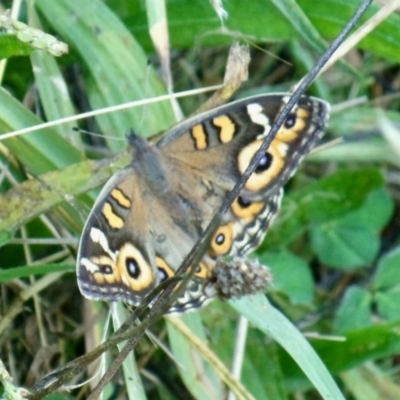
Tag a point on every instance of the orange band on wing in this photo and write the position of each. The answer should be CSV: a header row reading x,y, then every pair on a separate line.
x,y
227,128
200,137
113,219
248,212
119,196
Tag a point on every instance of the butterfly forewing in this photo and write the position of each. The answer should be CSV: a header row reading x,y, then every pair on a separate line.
x,y
221,145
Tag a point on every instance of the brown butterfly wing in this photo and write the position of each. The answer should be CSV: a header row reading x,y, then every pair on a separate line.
x,y
150,215
218,148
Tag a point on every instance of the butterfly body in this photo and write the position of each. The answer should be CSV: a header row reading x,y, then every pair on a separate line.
x,y
150,214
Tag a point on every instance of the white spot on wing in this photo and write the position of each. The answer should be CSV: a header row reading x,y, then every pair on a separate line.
x,y
283,148
99,237
256,113
90,266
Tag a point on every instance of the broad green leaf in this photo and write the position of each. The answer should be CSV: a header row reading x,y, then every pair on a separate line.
x,y
326,200
345,246
387,274
337,194
375,213
291,275
388,305
354,311
352,241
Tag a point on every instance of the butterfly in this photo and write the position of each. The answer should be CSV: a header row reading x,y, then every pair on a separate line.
x,y
150,214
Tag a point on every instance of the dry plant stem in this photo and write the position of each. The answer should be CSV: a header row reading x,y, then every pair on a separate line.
x,y
158,343
361,32
63,375
36,301
18,304
235,74
230,380
328,145
47,241
160,37
198,250
128,329
108,110
130,344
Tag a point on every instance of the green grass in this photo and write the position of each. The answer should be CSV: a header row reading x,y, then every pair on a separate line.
x,y
331,321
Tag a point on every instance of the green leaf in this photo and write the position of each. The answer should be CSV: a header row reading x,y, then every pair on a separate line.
x,y
39,151
265,317
262,372
195,21
32,197
352,241
11,46
135,386
298,19
388,305
53,90
323,201
349,351
386,286
354,311
345,246
387,274
118,67
23,272
370,382
375,213
291,275
384,39
337,194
